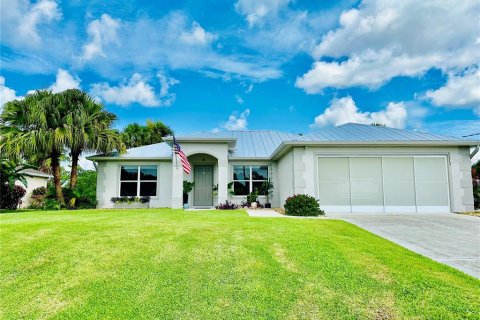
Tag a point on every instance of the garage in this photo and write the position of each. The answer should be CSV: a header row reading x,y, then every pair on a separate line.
x,y
383,184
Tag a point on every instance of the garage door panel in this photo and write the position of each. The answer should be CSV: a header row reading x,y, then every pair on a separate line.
x,y
432,193
399,193
398,169
367,193
366,169
430,169
334,193
333,169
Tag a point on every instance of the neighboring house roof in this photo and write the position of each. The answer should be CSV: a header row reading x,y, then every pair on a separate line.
x,y
36,173
263,144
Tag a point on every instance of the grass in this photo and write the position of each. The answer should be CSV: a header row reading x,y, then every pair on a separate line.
x,y
171,264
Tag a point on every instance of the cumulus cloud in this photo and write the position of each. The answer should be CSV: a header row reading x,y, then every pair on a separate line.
x,y
64,81
21,20
344,110
237,121
197,35
383,39
6,94
256,10
462,91
136,90
101,32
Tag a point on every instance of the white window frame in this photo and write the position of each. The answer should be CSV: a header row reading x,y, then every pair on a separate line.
x,y
250,180
138,181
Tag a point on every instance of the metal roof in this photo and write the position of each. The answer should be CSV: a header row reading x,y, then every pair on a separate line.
x,y
265,144
363,132
249,143
36,173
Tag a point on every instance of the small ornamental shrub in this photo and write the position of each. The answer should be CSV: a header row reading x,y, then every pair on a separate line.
x,y
227,206
40,191
51,204
10,196
302,205
143,199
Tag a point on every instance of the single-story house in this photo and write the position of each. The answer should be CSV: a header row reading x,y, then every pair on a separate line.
x,y
349,168
35,179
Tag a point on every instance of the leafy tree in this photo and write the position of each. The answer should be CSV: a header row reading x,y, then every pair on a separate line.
x,y
89,128
136,135
35,125
10,172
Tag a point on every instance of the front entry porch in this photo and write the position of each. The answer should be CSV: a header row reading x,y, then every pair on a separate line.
x,y
209,174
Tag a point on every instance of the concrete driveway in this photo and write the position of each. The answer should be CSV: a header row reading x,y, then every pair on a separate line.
x,y
448,238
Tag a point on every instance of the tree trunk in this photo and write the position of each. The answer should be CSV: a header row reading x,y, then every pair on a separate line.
x,y
74,172
57,179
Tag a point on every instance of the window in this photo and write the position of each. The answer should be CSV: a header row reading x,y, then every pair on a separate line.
x,y
137,181
249,178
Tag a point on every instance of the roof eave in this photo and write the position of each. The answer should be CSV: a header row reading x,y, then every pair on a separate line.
x,y
447,143
93,158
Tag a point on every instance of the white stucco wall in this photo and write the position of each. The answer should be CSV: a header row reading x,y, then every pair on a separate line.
x,y
285,185
460,182
32,183
108,182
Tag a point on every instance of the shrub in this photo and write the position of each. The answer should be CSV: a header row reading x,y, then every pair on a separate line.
x,y
51,204
252,196
10,196
476,194
227,206
40,191
143,199
302,205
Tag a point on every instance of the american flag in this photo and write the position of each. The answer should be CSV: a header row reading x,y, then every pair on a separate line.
x,y
187,168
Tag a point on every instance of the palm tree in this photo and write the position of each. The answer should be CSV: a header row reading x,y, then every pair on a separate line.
x,y
136,135
35,125
89,128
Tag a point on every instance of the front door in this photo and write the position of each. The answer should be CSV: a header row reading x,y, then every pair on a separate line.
x,y
203,189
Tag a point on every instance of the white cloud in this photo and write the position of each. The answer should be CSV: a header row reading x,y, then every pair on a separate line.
x,y
236,121
344,110
21,20
137,90
382,39
239,99
101,32
177,43
461,91
6,94
197,35
166,82
256,10
65,81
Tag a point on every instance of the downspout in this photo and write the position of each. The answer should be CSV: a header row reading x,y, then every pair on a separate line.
x,y
474,152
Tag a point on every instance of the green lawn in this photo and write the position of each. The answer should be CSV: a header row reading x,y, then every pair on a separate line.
x,y
172,264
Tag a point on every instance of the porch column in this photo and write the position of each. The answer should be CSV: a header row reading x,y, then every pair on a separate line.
x,y
222,180
177,187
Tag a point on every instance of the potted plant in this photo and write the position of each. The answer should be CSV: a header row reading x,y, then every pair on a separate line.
x,y
252,199
267,188
187,188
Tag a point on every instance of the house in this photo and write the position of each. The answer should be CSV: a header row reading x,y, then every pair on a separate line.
x,y
349,168
35,179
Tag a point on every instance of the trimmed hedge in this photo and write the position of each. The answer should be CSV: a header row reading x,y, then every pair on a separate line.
x,y
302,205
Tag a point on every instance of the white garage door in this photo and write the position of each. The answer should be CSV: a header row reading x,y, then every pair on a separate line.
x,y
383,184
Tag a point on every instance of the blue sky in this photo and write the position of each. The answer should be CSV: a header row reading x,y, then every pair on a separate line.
x,y
295,66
